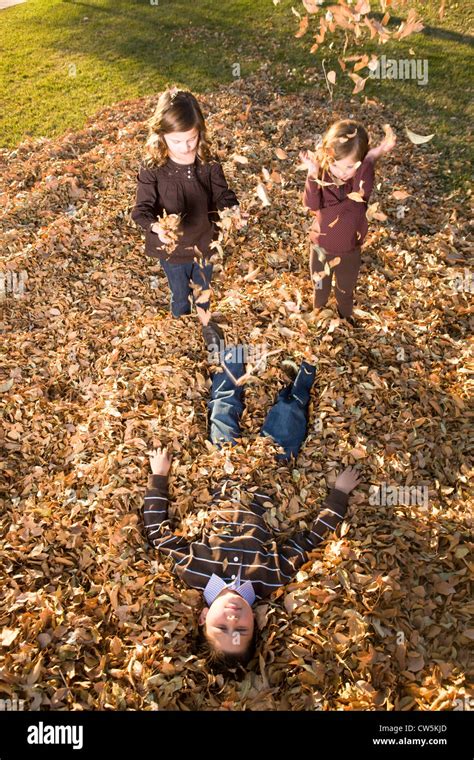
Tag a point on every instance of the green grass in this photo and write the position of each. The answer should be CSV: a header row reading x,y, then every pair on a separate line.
x,y
57,68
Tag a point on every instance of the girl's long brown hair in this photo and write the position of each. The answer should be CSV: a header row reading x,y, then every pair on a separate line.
x,y
177,111
342,139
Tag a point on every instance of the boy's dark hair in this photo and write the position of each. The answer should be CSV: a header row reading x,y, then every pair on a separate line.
x,y
223,661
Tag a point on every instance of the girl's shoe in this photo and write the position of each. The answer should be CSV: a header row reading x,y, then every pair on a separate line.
x,y
350,320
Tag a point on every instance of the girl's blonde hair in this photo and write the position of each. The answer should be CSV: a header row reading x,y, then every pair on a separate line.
x,y
177,111
342,139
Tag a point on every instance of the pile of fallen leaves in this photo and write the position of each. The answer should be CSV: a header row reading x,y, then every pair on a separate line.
x,y
95,372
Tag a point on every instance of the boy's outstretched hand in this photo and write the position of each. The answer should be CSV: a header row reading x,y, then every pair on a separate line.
x,y
160,461
347,480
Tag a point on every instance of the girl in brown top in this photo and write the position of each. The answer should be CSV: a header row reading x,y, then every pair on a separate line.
x,y
179,175
338,186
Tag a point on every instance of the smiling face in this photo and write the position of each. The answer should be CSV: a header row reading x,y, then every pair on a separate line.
x,y
182,146
229,622
345,168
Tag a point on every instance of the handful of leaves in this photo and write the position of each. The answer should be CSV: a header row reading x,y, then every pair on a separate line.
x,y
169,224
230,220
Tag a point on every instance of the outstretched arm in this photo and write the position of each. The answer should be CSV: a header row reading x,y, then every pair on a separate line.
x,y
155,511
387,144
333,511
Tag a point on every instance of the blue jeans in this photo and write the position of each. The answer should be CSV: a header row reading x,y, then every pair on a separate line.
x,y
286,422
179,278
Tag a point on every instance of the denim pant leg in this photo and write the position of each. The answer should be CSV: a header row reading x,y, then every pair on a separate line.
x,y
287,420
178,278
201,276
226,405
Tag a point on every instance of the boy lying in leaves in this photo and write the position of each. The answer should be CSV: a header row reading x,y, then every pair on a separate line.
x,y
237,560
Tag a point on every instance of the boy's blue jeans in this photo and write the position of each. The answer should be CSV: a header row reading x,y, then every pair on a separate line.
x,y
287,420
179,278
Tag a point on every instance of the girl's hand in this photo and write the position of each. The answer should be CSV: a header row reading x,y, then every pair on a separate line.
x,y
389,141
158,230
312,166
387,144
160,461
347,480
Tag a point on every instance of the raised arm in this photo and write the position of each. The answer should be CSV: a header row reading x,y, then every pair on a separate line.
x,y
332,513
387,144
155,511
312,197
364,179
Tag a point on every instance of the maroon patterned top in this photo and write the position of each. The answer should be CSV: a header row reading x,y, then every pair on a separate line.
x,y
340,223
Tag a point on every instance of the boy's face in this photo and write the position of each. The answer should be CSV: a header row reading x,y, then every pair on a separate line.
x,y
345,168
182,145
229,622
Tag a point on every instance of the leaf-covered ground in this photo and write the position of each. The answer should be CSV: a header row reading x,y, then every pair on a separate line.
x,y
96,372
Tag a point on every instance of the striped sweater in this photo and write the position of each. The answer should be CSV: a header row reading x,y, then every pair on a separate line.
x,y
236,536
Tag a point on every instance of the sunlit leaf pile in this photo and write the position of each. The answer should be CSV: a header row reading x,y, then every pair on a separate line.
x,y
95,372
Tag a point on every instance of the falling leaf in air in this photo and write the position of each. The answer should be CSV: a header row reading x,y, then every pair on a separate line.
x,y
374,213
418,139
262,194
400,195
359,83
303,27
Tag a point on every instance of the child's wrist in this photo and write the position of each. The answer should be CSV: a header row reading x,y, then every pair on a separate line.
x,y
157,481
160,471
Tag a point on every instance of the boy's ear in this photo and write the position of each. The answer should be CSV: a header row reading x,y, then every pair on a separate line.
x,y
203,615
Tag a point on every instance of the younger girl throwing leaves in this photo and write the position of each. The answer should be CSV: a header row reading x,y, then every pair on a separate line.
x,y
183,184
338,186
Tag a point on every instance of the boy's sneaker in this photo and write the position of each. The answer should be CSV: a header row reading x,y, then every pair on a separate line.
x,y
213,337
290,368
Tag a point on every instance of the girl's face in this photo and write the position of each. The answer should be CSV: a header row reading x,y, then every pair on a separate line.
x,y
182,146
345,168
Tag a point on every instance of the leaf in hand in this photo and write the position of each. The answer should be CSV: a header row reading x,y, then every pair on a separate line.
x,y
170,225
